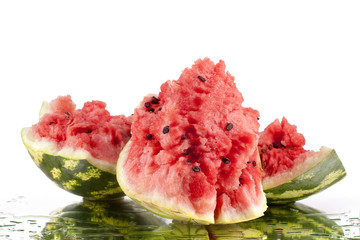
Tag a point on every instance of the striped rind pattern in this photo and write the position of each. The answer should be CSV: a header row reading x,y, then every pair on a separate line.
x,y
327,172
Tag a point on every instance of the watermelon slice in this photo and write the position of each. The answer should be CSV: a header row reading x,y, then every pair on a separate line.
x,y
290,172
193,151
78,148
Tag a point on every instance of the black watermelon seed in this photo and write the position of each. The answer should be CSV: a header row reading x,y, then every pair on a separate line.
x,y
229,126
151,110
258,118
202,79
89,131
147,104
50,123
225,160
183,137
166,129
149,136
155,100
159,108
196,169
240,179
254,163
186,152
263,151
248,162
188,161
282,145
270,147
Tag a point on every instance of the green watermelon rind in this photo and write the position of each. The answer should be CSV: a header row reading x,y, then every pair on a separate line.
x,y
328,171
71,169
169,210
45,108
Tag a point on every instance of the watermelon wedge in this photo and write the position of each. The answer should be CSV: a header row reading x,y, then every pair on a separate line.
x,y
78,148
193,151
290,172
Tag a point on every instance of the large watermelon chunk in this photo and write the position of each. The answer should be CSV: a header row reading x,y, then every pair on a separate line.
x,y
291,172
193,151
78,148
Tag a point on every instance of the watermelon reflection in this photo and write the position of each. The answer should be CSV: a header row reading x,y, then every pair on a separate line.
x,y
124,219
292,221
115,219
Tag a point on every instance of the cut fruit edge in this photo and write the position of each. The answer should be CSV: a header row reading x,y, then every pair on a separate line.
x,y
44,145
328,171
254,212
169,209
309,163
45,108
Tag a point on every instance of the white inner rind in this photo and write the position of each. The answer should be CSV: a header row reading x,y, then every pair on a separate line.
x,y
255,210
309,163
45,108
48,146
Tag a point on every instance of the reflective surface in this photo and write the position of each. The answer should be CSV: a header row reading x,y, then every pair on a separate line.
x,y
124,219
298,59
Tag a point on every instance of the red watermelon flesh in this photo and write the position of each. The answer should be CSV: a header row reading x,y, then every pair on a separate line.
x,y
281,148
91,128
193,150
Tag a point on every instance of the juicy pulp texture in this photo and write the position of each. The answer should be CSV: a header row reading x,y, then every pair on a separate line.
x,y
193,150
281,148
91,128
290,172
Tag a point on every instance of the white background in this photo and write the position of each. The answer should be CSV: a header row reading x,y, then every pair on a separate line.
x,y
299,59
